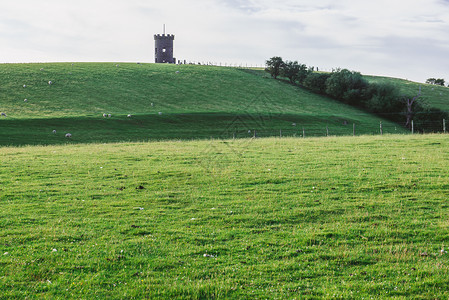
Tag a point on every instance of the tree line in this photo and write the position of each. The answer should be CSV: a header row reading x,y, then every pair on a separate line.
x,y
352,88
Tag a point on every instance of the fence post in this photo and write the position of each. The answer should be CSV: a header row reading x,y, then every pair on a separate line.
x,y
381,130
303,132
413,129
353,129
327,130
444,125
255,133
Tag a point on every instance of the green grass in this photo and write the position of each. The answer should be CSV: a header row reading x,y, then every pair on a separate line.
x,y
196,102
347,217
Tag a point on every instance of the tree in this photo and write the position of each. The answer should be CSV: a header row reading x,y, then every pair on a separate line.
x,y
410,104
274,65
439,81
383,97
290,70
316,82
430,81
348,86
294,71
303,73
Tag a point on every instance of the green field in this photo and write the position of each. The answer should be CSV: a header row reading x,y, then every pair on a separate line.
x,y
180,201
271,218
195,102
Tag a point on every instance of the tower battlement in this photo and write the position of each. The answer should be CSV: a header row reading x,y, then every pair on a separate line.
x,y
164,37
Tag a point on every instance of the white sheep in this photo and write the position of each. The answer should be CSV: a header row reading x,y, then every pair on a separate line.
x,y
25,100
129,116
68,135
105,115
160,113
54,131
24,85
109,115
50,83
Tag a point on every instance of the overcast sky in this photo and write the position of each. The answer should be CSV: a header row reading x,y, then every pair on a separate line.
x,y
401,38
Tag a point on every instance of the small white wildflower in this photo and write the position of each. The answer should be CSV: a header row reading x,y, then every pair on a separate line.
x,y
54,250
6,253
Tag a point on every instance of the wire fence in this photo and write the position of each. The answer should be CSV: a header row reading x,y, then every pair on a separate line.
x,y
347,129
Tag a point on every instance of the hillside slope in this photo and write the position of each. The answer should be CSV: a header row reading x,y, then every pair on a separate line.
x,y
434,95
165,101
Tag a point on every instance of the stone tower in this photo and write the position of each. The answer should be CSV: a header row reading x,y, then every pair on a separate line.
x,y
164,48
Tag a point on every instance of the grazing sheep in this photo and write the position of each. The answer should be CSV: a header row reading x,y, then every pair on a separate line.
x,y
68,135
129,116
293,124
105,115
152,104
109,115
3,114
25,100
54,131
160,113
50,83
24,85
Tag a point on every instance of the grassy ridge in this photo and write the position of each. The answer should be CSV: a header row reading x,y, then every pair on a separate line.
x,y
195,102
249,218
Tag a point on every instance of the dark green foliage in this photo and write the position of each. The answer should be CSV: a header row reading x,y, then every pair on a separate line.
x,y
290,70
274,66
383,97
316,82
347,86
294,71
439,81
428,119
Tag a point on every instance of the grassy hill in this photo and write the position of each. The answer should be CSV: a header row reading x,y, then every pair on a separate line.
x,y
434,95
166,102
348,217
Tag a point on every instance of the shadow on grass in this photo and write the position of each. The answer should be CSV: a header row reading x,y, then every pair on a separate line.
x,y
20,132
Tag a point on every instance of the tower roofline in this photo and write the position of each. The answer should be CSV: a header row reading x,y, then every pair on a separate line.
x,y
164,36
